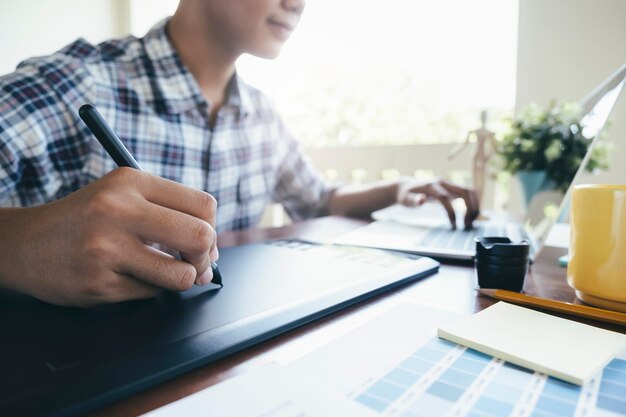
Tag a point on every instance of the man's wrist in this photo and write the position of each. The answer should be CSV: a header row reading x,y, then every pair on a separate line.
x,y
398,185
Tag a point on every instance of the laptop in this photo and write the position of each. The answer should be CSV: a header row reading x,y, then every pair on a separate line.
x,y
427,231
58,361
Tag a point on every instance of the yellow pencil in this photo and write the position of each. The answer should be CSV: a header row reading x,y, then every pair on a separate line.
x,y
559,306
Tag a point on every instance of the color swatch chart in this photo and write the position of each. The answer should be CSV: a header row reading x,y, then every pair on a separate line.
x,y
445,379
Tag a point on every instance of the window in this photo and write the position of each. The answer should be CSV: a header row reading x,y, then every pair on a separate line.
x,y
371,72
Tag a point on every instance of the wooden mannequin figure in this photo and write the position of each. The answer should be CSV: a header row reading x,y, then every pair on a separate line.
x,y
485,149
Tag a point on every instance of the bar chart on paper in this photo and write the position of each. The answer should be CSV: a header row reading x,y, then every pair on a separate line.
x,y
433,377
395,366
442,378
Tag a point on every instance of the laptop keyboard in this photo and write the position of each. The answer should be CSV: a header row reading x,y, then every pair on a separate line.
x,y
460,239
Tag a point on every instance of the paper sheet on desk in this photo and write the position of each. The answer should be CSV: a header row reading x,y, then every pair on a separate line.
x,y
263,393
394,365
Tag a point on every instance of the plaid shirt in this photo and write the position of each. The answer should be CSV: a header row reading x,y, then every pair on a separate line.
x,y
154,105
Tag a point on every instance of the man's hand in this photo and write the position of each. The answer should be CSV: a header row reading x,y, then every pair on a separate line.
x,y
96,245
413,194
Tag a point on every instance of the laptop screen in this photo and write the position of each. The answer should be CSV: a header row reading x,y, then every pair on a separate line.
x,y
546,208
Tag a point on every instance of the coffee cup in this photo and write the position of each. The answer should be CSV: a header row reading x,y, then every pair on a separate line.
x,y
597,265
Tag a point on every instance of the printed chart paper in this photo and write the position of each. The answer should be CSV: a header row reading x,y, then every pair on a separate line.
x,y
395,365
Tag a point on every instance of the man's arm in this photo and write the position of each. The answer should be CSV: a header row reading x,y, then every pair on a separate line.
x,y
362,200
304,193
95,245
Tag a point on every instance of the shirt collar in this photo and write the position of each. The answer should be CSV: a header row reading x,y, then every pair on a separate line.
x,y
179,90
238,95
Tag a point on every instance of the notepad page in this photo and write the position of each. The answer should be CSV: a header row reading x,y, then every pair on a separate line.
x,y
564,349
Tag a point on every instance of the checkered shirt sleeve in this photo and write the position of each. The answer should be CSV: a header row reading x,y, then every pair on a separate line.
x,y
300,188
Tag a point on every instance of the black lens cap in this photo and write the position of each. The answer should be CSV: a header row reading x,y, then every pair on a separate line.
x,y
501,263
501,246
500,260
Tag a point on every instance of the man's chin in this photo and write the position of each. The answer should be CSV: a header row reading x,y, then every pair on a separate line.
x,y
268,52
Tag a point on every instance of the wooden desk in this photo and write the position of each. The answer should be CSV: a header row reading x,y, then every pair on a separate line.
x,y
452,288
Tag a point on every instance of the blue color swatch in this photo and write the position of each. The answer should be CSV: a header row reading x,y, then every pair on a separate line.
x,y
504,388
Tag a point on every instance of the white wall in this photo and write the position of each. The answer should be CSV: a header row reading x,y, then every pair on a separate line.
x,y
38,27
565,49
146,13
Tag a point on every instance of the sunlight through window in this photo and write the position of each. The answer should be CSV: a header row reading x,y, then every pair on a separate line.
x,y
370,72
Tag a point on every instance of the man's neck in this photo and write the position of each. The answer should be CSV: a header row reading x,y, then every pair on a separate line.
x,y
211,63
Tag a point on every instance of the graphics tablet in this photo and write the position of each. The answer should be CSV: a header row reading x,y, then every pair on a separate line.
x,y
65,361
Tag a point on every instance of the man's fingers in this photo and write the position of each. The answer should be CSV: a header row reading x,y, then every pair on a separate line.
x,y
176,196
447,204
175,216
202,264
435,190
194,238
156,268
411,199
114,287
471,215
132,289
469,197
184,199
176,230
418,195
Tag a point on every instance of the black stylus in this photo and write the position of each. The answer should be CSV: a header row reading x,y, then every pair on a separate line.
x,y
122,157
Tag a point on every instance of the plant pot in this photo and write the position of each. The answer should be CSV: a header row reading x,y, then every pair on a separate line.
x,y
533,182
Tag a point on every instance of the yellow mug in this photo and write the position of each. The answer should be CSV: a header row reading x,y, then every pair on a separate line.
x,y
597,265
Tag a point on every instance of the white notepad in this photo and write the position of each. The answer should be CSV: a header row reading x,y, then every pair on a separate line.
x,y
561,348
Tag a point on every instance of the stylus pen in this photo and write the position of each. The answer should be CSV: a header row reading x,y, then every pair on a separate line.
x,y
122,157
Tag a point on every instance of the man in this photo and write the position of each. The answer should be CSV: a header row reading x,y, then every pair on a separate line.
x,y
76,231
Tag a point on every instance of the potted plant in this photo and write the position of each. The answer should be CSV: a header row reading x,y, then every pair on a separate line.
x,y
544,148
